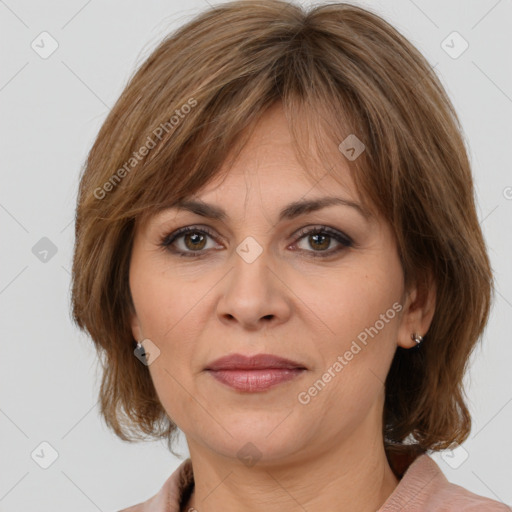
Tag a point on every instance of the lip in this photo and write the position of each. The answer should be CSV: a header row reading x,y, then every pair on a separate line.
x,y
254,373
255,362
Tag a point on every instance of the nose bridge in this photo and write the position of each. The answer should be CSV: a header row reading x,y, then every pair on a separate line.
x,y
255,236
252,290
251,261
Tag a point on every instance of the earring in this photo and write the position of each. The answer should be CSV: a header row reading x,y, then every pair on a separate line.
x,y
417,338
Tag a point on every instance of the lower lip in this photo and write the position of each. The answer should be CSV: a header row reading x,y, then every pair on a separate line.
x,y
255,380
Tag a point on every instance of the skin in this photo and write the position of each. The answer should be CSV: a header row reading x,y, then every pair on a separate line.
x,y
288,303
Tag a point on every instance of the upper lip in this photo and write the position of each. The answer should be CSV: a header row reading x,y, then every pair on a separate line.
x,y
255,362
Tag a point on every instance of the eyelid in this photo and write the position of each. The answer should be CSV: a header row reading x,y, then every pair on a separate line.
x,y
342,238
321,228
173,235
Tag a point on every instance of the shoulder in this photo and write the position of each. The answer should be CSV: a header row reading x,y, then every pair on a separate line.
x,y
424,488
169,497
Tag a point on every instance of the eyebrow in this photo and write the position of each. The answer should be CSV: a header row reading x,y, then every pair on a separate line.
x,y
289,212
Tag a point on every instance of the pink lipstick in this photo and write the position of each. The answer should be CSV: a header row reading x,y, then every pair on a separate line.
x,y
254,373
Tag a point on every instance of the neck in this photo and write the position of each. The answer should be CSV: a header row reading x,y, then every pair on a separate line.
x,y
353,473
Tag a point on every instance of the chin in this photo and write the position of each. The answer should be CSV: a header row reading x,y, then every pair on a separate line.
x,y
266,440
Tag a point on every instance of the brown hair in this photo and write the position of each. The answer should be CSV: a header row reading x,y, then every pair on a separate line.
x,y
338,70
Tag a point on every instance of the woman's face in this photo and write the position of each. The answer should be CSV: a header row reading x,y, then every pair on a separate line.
x,y
260,284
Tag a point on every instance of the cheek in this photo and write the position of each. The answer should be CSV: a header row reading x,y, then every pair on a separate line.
x,y
158,299
357,300
172,392
362,312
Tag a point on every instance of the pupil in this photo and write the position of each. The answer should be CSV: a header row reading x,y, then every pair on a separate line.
x,y
195,236
317,235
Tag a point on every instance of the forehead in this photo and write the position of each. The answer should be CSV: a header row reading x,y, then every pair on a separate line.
x,y
268,164
275,174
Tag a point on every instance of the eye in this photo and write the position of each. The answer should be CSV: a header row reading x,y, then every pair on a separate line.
x,y
193,238
193,241
321,238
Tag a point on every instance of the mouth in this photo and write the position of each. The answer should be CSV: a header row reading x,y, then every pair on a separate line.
x,y
254,373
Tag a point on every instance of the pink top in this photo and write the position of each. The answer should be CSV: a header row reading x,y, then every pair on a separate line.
x,y
422,488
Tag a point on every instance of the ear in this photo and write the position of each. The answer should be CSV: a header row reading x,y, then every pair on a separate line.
x,y
135,325
418,311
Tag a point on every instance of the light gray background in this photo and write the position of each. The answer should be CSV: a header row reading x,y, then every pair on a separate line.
x,y
52,110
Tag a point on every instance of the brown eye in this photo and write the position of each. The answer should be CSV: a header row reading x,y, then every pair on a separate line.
x,y
194,241
320,239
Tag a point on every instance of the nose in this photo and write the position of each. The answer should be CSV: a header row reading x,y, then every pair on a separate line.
x,y
253,294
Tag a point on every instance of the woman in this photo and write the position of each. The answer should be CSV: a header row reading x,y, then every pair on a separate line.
x,y
277,252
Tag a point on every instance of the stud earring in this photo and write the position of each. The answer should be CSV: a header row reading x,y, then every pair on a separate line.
x,y
417,338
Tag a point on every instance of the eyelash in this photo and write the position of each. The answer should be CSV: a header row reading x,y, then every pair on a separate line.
x,y
340,237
